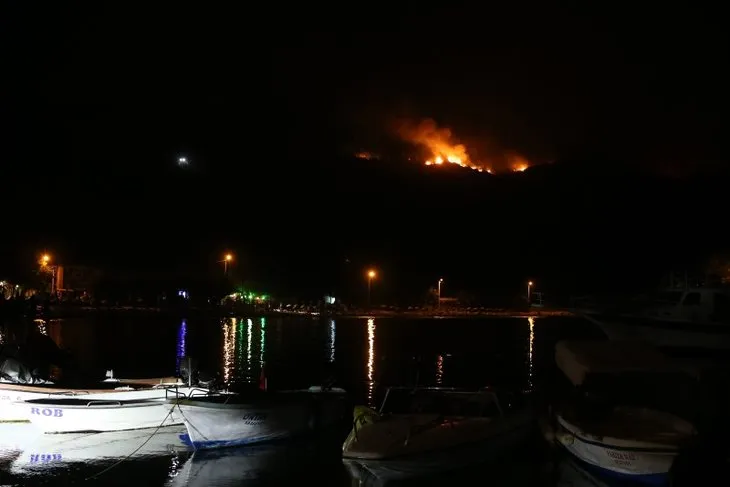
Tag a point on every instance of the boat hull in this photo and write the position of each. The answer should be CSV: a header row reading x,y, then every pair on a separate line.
x,y
664,333
215,425
101,415
13,395
627,462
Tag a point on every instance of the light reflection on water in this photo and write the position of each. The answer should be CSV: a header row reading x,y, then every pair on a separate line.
x,y
371,362
531,323
263,343
249,333
331,344
41,325
439,369
294,351
240,353
181,345
229,351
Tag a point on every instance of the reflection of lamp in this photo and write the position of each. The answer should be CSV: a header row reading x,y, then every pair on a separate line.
x,y
531,322
332,340
181,347
371,360
263,341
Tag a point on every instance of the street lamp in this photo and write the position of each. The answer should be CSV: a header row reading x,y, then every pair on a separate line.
x,y
226,259
45,264
439,293
371,276
529,290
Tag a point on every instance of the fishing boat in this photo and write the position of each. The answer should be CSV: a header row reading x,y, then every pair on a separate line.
x,y
604,425
13,394
423,430
259,416
77,414
633,444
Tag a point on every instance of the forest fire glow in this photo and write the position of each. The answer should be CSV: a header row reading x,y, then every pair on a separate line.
x,y
518,163
444,150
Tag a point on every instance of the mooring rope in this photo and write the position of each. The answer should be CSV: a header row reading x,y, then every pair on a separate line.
x,y
124,459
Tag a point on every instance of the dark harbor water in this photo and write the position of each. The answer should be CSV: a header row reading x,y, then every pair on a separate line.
x,y
361,355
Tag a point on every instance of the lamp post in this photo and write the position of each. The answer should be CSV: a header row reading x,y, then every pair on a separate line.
x,y
371,276
226,259
438,305
45,262
529,291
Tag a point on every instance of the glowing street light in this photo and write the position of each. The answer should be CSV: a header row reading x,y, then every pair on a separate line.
x,y
439,292
45,264
226,259
371,276
529,290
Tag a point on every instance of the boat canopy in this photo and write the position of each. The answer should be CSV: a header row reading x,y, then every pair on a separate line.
x,y
581,359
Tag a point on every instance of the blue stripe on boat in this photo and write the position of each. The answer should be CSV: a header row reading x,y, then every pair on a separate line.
x,y
658,479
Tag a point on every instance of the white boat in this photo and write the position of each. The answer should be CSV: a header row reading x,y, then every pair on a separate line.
x,y
219,421
418,428
47,452
600,430
639,445
692,318
151,408
13,393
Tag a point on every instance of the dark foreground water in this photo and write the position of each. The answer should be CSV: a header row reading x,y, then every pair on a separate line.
x,y
362,355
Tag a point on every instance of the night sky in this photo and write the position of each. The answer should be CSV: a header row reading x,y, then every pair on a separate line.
x,y
98,103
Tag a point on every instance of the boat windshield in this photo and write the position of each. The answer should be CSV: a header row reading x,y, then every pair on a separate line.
x,y
441,401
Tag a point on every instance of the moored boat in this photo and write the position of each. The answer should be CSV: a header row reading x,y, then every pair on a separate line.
x,y
633,444
13,394
607,424
416,429
68,415
222,421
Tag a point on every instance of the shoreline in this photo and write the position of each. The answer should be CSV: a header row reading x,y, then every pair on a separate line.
x,y
78,312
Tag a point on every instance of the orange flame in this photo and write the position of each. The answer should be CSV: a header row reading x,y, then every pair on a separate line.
x,y
445,150
438,142
518,163
365,155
